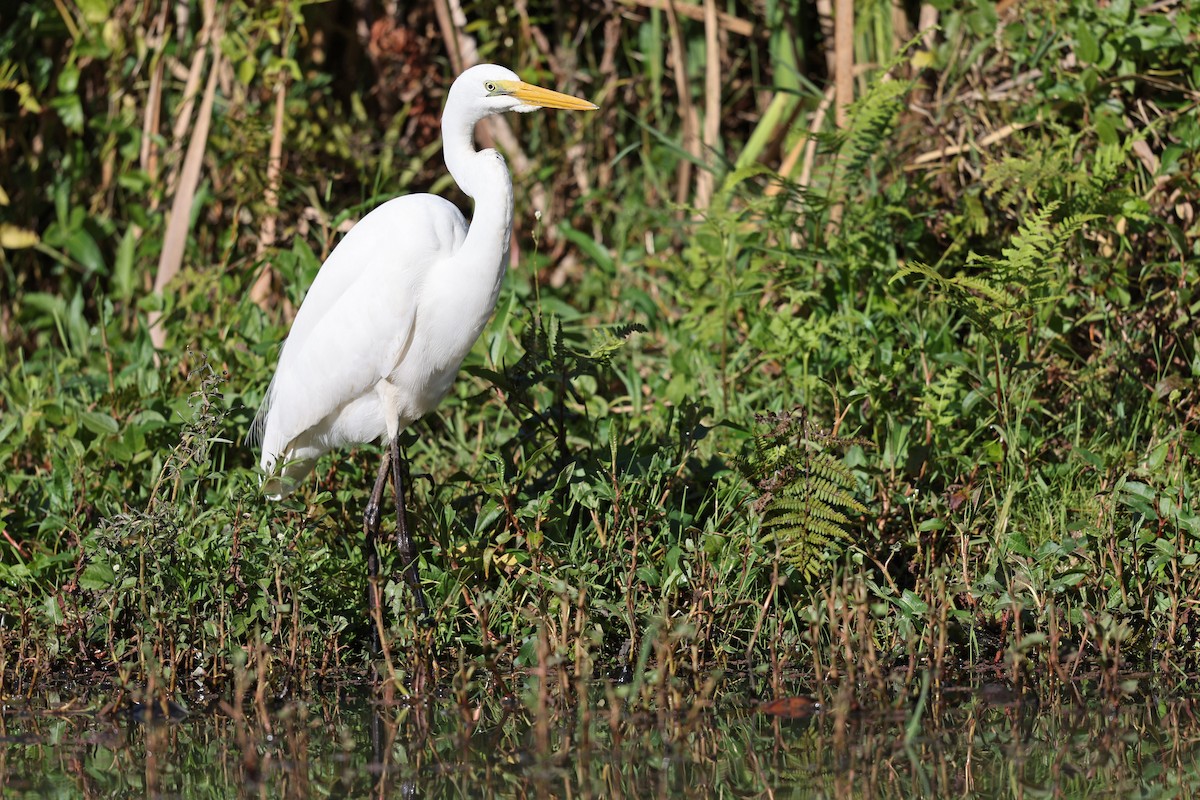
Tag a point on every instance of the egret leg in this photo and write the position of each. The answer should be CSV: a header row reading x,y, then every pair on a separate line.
x,y
404,540
371,517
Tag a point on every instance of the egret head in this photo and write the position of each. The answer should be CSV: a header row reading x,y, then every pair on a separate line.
x,y
488,89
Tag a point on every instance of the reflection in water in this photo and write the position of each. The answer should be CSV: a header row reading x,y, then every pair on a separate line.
x,y
969,743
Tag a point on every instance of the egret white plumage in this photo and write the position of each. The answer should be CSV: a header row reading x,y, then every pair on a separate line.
x,y
395,309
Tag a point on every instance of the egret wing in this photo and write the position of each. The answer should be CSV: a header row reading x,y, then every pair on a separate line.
x,y
357,319
395,237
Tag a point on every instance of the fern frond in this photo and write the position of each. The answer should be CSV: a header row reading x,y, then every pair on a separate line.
x,y
806,499
1000,293
917,268
869,120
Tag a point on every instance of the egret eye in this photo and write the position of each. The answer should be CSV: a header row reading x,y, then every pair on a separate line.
x,y
491,87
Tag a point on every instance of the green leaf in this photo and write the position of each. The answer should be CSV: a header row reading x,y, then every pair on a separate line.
x,y
99,423
98,575
123,266
593,250
52,610
83,248
95,11
1087,48
912,604
246,70
647,575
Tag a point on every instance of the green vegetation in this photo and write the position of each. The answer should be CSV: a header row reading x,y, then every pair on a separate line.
x,y
765,396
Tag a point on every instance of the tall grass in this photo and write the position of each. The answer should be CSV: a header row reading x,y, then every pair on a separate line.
x,y
977,296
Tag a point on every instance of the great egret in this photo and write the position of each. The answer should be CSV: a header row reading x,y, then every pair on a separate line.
x,y
394,310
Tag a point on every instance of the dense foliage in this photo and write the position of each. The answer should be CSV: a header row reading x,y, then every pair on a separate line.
x,y
765,393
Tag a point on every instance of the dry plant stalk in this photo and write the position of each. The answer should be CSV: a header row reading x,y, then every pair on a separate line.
x,y
901,32
825,24
151,118
957,149
175,239
806,145
191,88
843,74
260,292
687,111
459,45
712,104
843,45
927,24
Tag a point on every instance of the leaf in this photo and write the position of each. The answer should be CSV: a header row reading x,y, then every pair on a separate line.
x,y
52,609
15,238
1139,489
911,604
1087,49
594,251
98,575
99,423
95,11
123,266
647,575
83,248
246,70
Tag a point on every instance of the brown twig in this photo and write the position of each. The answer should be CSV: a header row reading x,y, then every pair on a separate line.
x,y
956,149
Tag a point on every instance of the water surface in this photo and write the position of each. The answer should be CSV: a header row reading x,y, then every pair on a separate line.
x,y
987,741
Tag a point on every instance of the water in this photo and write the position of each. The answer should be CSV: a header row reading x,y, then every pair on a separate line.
x,y
981,742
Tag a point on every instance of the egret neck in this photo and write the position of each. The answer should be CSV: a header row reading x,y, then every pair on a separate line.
x,y
484,177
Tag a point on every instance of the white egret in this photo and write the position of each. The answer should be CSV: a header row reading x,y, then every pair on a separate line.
x,y
394,310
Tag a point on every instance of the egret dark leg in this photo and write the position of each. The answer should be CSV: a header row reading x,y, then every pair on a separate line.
x,y
404,541
371,518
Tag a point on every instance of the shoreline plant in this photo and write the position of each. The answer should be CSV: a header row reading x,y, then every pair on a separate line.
x,y
847,405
